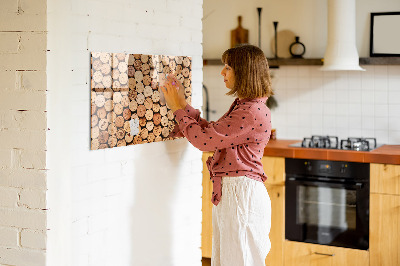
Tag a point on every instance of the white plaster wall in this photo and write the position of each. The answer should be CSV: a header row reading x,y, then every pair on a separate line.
x,y
135,205
311,102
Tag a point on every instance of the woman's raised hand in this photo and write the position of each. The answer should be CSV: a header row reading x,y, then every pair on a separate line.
x,y
174,93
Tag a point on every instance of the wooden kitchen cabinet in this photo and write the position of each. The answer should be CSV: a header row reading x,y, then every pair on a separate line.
x,y
385,178
385,215
277,233
274,168
206,225
305,254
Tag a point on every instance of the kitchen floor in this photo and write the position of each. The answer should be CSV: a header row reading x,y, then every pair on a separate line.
x,y
206,261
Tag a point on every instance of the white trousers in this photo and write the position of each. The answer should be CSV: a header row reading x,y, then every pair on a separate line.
x,y
241,223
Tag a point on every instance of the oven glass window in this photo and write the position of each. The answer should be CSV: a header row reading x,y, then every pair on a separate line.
x,y
326,207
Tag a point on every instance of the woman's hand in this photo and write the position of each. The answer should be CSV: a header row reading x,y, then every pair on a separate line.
x,y
174,93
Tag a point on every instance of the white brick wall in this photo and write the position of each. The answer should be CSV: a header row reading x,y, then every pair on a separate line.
x,y
22,132
136,205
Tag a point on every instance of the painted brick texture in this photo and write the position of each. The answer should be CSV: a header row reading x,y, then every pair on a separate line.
x,y
23,132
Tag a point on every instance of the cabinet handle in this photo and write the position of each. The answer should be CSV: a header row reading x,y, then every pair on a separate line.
x,y
324,254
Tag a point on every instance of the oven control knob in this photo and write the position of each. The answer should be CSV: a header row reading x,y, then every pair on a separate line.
x,y
343,168
308,166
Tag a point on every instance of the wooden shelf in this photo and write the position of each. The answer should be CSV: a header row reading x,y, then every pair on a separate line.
x,y
274,63
380,61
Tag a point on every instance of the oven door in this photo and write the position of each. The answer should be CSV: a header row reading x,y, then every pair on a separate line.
x,y
327,213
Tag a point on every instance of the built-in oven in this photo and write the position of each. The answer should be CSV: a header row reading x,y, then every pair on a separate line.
x,y
327,202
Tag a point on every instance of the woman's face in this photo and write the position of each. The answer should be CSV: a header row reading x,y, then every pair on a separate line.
x,y
229,76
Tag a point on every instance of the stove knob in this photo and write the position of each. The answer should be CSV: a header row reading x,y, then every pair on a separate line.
x,y
343,168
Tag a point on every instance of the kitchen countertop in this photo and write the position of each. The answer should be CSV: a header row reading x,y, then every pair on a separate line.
x,y
389,154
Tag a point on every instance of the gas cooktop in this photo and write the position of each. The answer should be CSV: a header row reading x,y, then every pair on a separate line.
x,y
332,142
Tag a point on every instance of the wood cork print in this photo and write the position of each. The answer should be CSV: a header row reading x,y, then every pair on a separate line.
x,y
127,104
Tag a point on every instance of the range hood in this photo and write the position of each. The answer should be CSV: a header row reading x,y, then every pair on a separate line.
x,y
341,51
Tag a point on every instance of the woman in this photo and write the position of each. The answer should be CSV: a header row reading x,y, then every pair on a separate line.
x,y
242,211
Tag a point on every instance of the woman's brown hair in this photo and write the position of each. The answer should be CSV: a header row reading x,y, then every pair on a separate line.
x,y
250,66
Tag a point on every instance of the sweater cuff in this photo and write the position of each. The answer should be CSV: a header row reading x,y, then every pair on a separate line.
x,y
179,114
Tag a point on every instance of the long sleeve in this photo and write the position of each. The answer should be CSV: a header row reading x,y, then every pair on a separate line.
x,y
193,113
231,130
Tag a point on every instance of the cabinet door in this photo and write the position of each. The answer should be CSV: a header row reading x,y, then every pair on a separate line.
x,y
384,230
206,226
385,178
274,168
277,233
304,254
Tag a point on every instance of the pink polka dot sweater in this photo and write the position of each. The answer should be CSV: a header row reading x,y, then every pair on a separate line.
x,y
238,139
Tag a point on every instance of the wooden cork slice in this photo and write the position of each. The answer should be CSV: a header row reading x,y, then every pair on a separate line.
x,y
145,68
165,132
151,137
112,141
148,91
186,83
156,107
94,132
105,58
172,64
96,64
156,119
93,109
170,115
137,139
157,130
120,133
131,72
144,133
103,137
164,121
127,127
139,87
163,110
185,72
128,138
142,122
146,80
140,98
112,129
150,125
141,110
123,80
117,97
149,114
179,59
121,143
165,60
186,62
148,103
94,144
178,70
109,105
97,77
118,108
103,124
94,121
127,114
133,106
132,95
119,121
156,96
